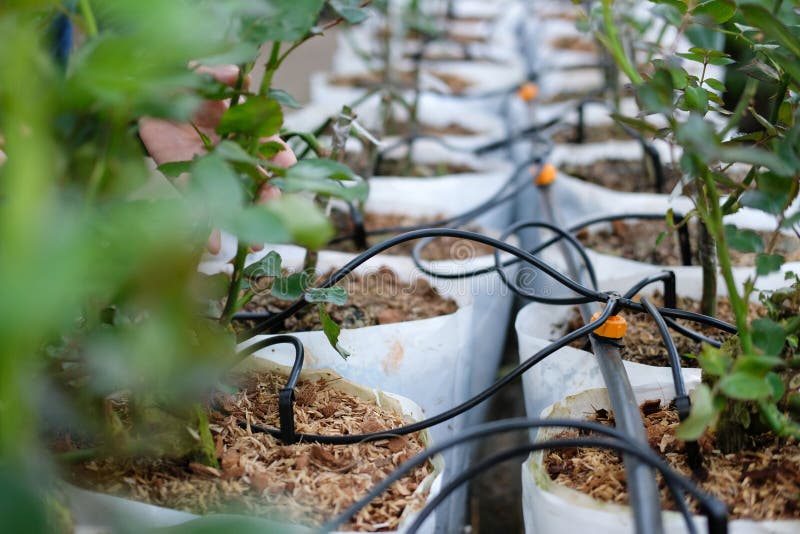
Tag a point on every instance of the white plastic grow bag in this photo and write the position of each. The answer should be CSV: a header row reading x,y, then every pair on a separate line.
x,y
571,370
439,362
549,507
98,512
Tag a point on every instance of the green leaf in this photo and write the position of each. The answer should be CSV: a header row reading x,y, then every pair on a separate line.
x,y
768,336
715,84
719,10
758,365
215,186
714,361
256,224
269,265
791,220
701,416
776,384
311,230
743,240
745,386
284,21
332,330
258,116
771,26
233,152
283,98
290,287
768,263
270,149
349,10
771,195
755,156
335,295
323,176
640,125
697,99
676,4
174,169
217,523
760,71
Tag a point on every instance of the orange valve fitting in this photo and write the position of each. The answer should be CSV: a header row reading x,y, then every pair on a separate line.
x,y
614,327
528,92
547,175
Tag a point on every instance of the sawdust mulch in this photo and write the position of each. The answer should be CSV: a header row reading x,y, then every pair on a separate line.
x,y
304,483
762,483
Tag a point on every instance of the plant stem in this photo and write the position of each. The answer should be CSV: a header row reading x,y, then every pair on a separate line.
x,y
738,304
270,68
236,285
615,46
707,256
207,451
88,17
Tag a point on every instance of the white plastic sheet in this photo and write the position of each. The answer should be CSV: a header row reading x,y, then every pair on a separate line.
x,y
550,508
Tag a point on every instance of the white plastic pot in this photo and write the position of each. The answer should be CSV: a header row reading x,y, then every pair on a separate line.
x,y
439,362
549,507
95,512
570,370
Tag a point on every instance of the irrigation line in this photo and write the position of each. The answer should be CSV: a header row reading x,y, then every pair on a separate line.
x,y
452,412
715,510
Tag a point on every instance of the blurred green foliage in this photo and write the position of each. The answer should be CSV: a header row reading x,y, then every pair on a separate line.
x,y
99,292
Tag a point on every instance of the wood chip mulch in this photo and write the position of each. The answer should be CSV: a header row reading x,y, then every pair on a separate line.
x,y
762,483
304,483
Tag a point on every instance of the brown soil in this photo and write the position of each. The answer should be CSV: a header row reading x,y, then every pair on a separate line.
x,y
305,483
642,342
456,84
445,248
395,127
621,175
574,43
592,134
762,483
637,241
397,167
377,298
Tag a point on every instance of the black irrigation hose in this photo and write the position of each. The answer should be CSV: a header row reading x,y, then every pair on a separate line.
x,y
278,318
452,412
286,393
670,301
715,510
588,293
513,229
557,443
498,197
682,402
573,229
